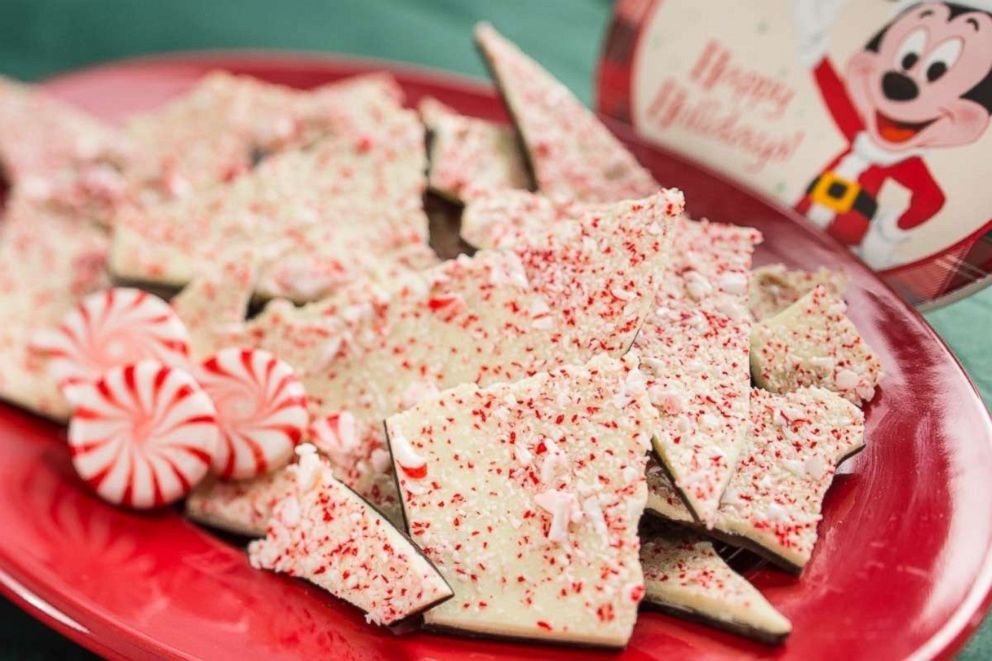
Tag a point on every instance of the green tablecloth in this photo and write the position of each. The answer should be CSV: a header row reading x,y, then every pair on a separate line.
x,y
43,37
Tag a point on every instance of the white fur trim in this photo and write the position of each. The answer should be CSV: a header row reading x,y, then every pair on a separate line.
x,y
875,154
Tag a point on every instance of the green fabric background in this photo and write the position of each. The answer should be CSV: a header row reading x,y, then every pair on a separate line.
x,y
39,38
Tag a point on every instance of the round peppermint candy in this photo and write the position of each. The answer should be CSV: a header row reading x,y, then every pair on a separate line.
x,y
118,326
142,435
261,411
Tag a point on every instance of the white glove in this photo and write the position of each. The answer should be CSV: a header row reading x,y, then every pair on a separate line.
x,y
879,247
820,216
814,18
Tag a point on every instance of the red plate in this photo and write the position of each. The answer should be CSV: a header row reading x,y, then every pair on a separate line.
x,y
902,566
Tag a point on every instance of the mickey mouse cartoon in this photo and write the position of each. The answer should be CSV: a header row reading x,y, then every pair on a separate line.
x,y
923,82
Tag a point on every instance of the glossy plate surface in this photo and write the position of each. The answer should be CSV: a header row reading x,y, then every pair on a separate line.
x,y
902,566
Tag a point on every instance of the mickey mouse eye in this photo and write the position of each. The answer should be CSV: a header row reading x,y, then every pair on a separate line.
x,y
909,51
942,58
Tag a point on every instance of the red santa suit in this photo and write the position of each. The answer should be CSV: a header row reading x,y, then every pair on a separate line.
x,y
843,198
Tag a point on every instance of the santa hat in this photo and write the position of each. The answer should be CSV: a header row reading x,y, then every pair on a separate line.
x,y
899,6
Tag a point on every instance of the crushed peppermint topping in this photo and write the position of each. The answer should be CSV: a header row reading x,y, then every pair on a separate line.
x,y
572,153
733,283
684,573
697,285
775,494
562,506
411,463
774,287
323,532
813,343
398,340
502,532
697,358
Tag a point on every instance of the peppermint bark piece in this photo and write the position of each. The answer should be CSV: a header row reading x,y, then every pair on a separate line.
x,y
560,297
813,343
695,347
225,124
242,507
571,153
685,577
797,441
498,218
47,263
213,305
774,287
325,533
469,156
348,209
56,155
526,496
772,504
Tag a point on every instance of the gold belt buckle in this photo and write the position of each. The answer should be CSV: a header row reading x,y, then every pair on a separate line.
x,y
835,192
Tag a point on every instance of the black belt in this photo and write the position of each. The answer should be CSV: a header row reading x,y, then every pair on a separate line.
x,y
838,189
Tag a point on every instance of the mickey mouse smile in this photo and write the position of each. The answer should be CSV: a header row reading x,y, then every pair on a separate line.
x,y
894,130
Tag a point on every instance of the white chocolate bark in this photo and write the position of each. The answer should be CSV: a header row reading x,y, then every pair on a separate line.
x,y
570,151
813,343
213,305
323,532
56,155
772,504
797,441
559,297
348,209
47,263
469,156
774,287
685,576
219,129
695,345
695,350
242,507
497,219
526,496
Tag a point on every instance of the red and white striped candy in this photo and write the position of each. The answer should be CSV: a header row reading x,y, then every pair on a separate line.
x,y
143,435
115,327
261,411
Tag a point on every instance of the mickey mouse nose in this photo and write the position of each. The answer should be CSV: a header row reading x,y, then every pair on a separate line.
x,y
899,87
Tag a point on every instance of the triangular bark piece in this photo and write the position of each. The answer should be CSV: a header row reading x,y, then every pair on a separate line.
x,y
527,496
572,154
685,577
325,533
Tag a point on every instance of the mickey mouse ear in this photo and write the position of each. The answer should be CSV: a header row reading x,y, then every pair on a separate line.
x,y
899,6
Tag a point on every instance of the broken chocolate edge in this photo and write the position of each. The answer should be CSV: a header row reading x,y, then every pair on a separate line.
x,y
490,65
481,635
740,541
409,540
730,626
696,520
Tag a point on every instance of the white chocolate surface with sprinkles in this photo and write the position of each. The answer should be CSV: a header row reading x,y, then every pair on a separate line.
x,y
323,532
813,343
498,316
774,498
470,156
683,573
542,543
571,152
